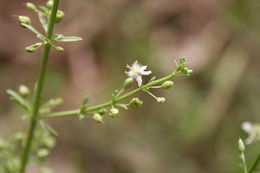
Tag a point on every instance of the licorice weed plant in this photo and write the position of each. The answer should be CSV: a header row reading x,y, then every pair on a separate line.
x,y
34,145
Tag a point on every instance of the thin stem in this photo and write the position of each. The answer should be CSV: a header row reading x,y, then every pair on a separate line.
x,y
151,94
255,164
38,90
243,159
109,103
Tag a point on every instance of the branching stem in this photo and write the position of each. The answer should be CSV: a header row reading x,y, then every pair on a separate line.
x,y
109,103
38,91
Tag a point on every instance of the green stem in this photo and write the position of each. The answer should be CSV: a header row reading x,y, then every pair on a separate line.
x,y
243,159
255,164
38,90
109,103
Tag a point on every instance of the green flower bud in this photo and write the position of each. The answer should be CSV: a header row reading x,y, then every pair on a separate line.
x,y
136,103
81,117
160,99
30,6
98,118
24,20
49,142
167,84
56,102
59,16
186,71
24,91
114,112
49,4
19,136
42,154
128,83
241,145
30,49
60,49
33,48
102,111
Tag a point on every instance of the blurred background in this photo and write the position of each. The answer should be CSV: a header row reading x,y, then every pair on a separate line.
x,y
194,131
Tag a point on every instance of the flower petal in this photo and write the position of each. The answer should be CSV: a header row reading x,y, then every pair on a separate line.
x,y
139,80
251,138
247,127
146,72
144,67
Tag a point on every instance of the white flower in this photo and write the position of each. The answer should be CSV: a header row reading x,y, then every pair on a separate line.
x,y
253,131
136,71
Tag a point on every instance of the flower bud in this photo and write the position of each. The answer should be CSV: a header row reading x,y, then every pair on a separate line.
x,y
98,118
19,136
136,103
24,91
102,111
42,154
81,117
33,48
167,84
160,99
24,20
49,142
128,83
30,49
60,49
114,112
241,145
30,6
56,102
49,4
186,71
59,16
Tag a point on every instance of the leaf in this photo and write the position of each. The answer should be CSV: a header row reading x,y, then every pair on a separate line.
x,y
18,99
43,20
48,128
51,104
123,106
83,109
31,28
85,101
33,48
84,105
69,39
152,79
41,37
45,109
44,10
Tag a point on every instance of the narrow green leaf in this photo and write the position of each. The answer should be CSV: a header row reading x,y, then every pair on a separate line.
x,y
123,106
43,20
44,10
17,99
33,48
85,101
31,28
48,128
69,39
152,79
